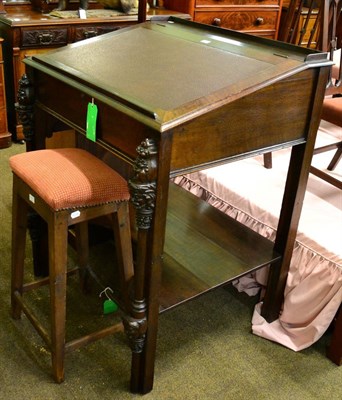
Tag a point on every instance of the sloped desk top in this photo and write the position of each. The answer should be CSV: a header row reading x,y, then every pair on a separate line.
x,y
169,69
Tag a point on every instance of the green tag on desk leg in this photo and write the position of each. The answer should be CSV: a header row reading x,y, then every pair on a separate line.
x,y
91,122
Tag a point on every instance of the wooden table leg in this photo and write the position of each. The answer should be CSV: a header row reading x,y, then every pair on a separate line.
x,y
334,351
295,188
149,193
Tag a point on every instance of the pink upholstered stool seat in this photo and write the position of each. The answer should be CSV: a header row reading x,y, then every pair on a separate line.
x,y
69,178
66,187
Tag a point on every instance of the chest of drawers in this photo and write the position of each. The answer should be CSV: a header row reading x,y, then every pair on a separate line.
x,y
257,17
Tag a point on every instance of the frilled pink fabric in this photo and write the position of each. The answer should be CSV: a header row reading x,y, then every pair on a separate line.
x,y
251,194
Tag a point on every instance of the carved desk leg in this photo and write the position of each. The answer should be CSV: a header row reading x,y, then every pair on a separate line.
x,y
143,194
37,227
24,108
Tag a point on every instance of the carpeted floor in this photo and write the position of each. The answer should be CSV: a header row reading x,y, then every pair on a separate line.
x,y
205,348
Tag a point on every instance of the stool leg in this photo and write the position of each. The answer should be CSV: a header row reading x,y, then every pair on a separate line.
x,y
82,247
58,242
19,227
123,242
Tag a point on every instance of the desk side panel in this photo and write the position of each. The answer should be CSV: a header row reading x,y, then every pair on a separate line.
x,y
268,118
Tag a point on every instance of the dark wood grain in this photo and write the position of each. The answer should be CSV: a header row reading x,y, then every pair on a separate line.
x,y
218,249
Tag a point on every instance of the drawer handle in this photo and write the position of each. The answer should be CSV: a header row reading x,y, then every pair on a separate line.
x,y
217,22
259,21
45,38
89,34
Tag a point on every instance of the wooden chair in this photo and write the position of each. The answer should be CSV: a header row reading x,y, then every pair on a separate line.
x,y
331,112
300,25
326,35
334,38
66,187
332,104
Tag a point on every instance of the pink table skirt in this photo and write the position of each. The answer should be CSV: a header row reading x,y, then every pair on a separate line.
x,y
247,191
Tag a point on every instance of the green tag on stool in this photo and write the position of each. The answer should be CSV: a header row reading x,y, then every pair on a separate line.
x,y
109,306
91,121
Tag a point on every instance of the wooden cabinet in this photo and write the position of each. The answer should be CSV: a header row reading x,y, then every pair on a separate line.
x,y
257,17
5,136
27,32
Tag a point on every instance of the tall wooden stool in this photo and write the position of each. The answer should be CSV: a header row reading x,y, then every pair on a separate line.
x,y
65,187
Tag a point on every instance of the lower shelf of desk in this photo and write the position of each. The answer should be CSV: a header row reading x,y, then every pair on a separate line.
x,y
205,249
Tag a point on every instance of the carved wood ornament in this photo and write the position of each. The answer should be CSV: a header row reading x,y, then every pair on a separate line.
x,y
143,196
24,107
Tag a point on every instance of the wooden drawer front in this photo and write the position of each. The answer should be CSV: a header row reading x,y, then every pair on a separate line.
x,y
239,20
236,3
44,37
87,32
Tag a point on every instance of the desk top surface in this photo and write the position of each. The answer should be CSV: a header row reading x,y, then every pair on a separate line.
x,y
171,68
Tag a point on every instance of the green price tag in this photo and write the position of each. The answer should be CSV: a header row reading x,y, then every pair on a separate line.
x,y
109,306
91,122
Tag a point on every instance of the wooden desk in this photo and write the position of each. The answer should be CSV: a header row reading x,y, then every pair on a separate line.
x,y
184,96
27,32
